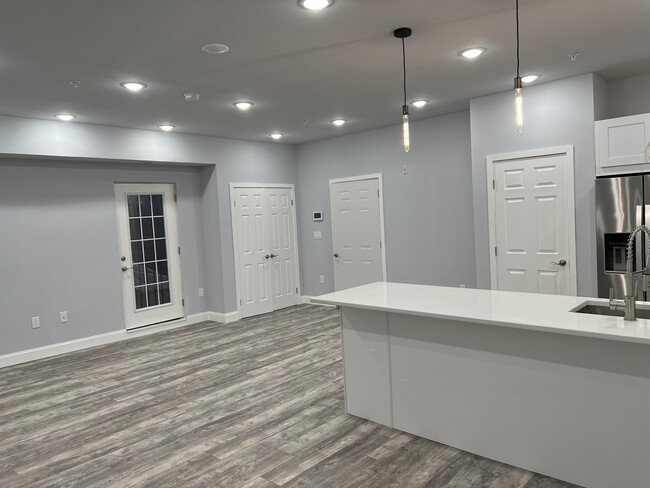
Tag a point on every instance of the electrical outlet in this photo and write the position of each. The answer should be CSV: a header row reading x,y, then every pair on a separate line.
x,y
63,317
405,169
322,279
36,322
201,292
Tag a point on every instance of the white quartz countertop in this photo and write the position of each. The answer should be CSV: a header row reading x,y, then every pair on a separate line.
x,y
544,313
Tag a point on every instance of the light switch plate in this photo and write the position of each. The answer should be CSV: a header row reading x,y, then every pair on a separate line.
x,y
322,279
201,292
36,322
405,169
63,316
318,235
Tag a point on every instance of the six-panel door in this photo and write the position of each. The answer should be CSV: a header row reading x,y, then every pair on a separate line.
x,y
532,225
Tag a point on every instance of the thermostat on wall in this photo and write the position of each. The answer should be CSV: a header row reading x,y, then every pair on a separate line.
x,y
318,216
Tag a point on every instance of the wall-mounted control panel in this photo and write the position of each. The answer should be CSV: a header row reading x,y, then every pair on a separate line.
x,y
318,216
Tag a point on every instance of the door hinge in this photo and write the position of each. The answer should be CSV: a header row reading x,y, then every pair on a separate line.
x,y
495,251
179,249
494,184
292,202
296,290
240,302
377,192
234,203
175,197
380,244
183,301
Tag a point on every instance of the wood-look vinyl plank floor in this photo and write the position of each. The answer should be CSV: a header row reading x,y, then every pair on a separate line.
x,y
253,404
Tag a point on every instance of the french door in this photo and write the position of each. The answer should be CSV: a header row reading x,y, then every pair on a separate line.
x,y
149,253
266,258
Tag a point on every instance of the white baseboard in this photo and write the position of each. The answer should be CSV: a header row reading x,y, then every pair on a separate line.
x,y
97,340
225,318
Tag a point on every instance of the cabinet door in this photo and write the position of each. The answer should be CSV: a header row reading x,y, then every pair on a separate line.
x,y
622,145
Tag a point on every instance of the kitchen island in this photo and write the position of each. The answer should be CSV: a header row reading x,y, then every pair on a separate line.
x,y
514,377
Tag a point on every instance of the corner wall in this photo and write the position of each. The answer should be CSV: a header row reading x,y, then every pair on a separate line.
x,y
556,114
428,211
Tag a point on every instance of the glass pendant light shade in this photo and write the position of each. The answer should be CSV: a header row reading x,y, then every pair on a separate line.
x,y
406,134
519,86
519,105
402,33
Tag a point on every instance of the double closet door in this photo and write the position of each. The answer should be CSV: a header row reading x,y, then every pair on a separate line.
x,y
266,257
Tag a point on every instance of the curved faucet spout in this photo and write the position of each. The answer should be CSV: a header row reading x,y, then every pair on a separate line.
x,y
630,292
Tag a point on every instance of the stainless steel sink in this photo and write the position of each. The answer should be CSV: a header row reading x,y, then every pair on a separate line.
x,y
603,309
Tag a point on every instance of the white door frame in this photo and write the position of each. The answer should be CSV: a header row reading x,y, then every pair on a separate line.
x,y
235,242
382,228
568,152
173,243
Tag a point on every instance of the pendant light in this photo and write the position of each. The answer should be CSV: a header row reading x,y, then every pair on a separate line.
x,y
402,33
519,87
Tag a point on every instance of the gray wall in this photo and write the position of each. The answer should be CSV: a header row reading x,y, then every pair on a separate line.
x,y
628,96
59,247
556,114
428,212
54,172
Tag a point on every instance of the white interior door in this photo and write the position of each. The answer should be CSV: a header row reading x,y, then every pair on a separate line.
x,y
150,262
283,247
356,232
532,223
266,255
253,251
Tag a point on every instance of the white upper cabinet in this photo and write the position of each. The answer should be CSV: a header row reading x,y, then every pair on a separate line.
x,y
623,145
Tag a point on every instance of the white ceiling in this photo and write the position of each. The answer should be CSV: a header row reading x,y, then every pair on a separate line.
x,y
301,68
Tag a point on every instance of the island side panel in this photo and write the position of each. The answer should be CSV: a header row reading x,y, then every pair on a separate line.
x,y
366,364
573,408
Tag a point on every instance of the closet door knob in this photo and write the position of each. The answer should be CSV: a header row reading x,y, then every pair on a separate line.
x,y
336,255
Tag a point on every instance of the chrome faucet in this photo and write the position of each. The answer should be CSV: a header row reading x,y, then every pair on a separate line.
x,y
629,302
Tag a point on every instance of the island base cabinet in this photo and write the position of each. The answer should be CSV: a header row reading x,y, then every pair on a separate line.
x,y
570,407
366,364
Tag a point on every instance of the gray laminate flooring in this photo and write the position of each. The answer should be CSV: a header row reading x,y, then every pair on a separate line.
x,y
257,404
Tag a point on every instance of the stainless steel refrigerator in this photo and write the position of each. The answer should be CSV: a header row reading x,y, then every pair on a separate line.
x,y
621,204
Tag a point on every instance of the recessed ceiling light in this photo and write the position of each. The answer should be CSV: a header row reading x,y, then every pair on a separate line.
x,y
276,136
191,97
243,106
134,86
65,117
529,78
339,122
315,4
419,103
472,53
166,127
215,48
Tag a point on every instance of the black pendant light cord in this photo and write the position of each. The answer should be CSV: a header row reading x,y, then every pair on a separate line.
x,y
404,62
517,13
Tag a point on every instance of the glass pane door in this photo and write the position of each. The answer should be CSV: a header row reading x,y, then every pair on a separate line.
x,y
149,250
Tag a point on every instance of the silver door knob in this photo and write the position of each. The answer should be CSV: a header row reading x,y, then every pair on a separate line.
x,y
561,262
274,255
336,255
267,256
123,258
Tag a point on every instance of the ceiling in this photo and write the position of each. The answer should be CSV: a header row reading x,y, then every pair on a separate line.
x,y
301,68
